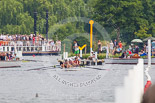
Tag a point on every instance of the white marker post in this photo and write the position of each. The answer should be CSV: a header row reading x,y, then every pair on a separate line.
x,y
107,52
95,58
149,61
65,55
149,53
81,53
133,88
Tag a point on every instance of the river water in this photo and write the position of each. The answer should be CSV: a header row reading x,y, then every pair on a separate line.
x,y
54,85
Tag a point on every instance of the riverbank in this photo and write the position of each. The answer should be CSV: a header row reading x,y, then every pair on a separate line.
x,y
103,56
99,56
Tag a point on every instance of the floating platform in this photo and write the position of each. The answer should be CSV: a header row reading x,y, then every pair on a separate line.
x,y
126,61
9,64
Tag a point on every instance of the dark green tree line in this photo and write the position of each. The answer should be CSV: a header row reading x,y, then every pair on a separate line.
x,y
128,18
123,19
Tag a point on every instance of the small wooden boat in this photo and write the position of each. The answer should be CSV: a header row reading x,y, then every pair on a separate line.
x,y
9,64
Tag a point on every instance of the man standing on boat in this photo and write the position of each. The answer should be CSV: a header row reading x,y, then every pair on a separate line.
x,y
76,48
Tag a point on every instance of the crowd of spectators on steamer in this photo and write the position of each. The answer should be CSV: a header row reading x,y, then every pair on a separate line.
x,y
28,40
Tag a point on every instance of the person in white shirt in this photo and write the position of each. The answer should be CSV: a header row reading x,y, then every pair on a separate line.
x,y
111,47
58,45
76,47
52,44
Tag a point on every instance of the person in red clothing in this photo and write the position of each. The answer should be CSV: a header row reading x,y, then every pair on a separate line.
x,y
33,39
129,52
120,45
76,62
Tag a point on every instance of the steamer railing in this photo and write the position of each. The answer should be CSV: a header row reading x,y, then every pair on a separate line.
x,y
6,46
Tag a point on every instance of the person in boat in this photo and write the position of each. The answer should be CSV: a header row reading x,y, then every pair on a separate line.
x,y
66,64
71,62
76,47
76,62
99,46
61,63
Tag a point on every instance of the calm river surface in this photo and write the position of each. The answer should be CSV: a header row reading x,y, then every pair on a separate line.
x,y
54,85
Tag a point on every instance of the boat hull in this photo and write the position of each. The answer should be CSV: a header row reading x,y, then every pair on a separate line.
x,y
39,53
